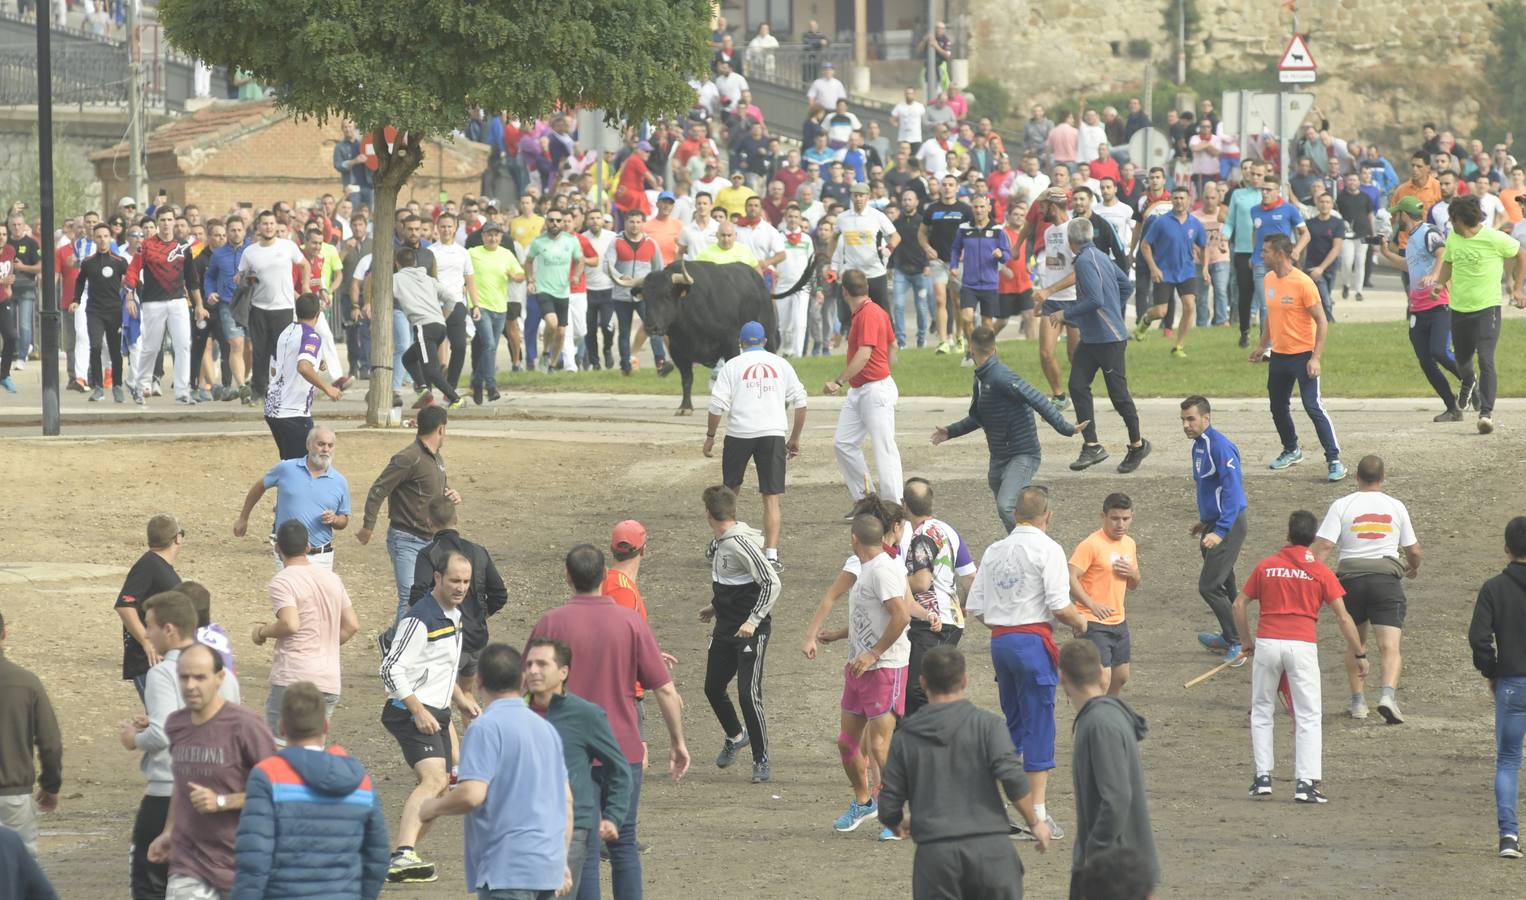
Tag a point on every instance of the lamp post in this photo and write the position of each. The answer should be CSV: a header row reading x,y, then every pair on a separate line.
x,y
45,293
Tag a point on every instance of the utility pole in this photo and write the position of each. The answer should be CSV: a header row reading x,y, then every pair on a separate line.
x,y
134,105
1181,41
49,350
931,75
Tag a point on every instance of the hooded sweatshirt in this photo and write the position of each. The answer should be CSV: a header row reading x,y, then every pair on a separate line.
x,y
311,827
944,761
1109,782
744,584
1497,633
421,298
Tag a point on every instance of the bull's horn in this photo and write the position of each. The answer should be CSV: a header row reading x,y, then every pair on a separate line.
x,y
683,276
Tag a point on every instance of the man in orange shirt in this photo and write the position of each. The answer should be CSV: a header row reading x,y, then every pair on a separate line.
x,y
1103,569
1421,185
1295,330
627,547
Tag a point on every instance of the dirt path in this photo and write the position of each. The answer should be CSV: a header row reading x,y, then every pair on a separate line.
x,y
1411,810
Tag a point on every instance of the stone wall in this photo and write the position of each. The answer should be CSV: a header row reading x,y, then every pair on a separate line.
x,y
1385,66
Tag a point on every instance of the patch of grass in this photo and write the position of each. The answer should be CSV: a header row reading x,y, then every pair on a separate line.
x,y
1370,359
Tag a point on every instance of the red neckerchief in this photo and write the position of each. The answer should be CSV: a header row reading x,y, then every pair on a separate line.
x,y
750,223
1278,203
794,237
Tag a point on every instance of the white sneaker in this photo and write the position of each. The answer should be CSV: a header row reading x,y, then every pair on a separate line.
x,y
1358,709
1389,710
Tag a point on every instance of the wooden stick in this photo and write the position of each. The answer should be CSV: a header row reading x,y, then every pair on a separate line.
x,y
1212,672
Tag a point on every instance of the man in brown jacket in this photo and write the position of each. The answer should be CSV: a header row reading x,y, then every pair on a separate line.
x,y
414,476
27,724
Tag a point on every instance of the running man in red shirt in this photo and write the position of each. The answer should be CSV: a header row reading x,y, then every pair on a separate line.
x,y
1291,585
869,407
627,547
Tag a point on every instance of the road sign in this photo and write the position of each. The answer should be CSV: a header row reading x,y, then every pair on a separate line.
x,y
1149,147
1297,65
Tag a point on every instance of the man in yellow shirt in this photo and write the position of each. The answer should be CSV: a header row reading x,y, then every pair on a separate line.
x,y
1103,569
734,199
727,250
526,226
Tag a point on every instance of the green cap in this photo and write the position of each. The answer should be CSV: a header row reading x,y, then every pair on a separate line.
x,y
1411,205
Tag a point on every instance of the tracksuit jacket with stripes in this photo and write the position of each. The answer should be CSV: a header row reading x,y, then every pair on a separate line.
x,y
424,655
744,582
978,268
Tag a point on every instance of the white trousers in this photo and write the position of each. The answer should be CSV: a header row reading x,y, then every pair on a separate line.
x,y
1299,660
792,310
1353,264
157,318
869,411
330,349
82,343
575,330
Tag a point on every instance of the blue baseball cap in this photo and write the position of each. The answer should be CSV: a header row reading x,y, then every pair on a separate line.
x,y
668,196
752,333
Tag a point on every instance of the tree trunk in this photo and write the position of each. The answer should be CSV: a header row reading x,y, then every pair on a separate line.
x,y
396,165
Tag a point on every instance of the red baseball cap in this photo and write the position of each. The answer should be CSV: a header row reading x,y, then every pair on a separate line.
x,y
628,535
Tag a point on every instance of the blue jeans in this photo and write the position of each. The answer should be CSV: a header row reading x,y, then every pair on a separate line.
x,y
624,859
1007,479
1324,283
26,309
485,348
1217,276
921,289
513,894
1509,729
403,548
1258,275
624,311
402,339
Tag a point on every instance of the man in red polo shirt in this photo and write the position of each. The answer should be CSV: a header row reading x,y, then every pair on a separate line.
x,y
869,407
1291,585
611,648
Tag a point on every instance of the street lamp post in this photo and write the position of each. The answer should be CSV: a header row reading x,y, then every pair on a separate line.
x,y
49,349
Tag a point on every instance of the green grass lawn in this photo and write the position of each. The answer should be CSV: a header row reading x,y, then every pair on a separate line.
x,y
1360,360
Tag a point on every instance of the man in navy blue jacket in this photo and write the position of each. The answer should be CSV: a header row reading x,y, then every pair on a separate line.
x,y
1003,404
312,825
1221,523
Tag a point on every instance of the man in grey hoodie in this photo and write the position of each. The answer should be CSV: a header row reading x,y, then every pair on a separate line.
x,y
1111,811
943,762
422,299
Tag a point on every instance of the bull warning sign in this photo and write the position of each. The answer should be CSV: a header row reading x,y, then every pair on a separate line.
x,y
1297,65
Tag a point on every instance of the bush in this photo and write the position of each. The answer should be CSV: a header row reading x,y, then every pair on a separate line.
x,y
989,97
1507,53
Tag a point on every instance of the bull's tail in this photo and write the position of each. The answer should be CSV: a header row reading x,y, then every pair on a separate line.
x,y
805,276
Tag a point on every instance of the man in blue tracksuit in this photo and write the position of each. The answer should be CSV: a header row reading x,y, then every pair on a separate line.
x,y
1096,313
1221,523
980,248
1003,404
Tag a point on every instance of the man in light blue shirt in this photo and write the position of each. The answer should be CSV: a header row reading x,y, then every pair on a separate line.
x,y
1241,234
309,490
513,790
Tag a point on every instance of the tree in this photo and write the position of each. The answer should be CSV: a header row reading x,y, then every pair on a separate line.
x,y
419,65
1506,54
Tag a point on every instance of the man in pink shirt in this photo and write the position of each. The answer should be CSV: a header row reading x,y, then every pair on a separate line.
x,y
612,649
1062,141
313,617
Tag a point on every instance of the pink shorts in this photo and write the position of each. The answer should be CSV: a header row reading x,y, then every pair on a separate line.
x,y
874,693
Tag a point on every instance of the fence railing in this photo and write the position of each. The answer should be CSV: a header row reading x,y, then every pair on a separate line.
x,y
89,75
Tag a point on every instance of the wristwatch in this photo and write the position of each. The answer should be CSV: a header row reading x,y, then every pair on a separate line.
x,y
222,801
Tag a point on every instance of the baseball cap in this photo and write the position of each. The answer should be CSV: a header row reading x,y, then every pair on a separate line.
x,y
668,196
736,175
644,145
491,226
127,201
1411,205
859,188
752,333
827,64
628,535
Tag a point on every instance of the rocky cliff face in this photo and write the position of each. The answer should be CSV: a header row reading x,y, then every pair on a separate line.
x,y
1385,66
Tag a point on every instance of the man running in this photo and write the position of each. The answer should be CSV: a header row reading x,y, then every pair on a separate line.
x,y
865,239
1055,281
1294,330
752,391
1098,318
496,267
868,410
294,379
158,280
552,263
1291,586
1369,530
309,490
1173,248
744,588
1430,316
1021,590
939,571
980,250
940,222
1105,566
1473,267
1221,522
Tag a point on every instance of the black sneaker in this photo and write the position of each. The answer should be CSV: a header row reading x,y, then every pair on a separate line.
x,y
1510,847
477,394
761,771
1451,415
1467,395
1308,792
1262,786
849,515
1244,340
492,393
729,748
1091,454
1134,457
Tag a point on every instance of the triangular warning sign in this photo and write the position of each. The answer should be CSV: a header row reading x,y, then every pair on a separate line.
x,y
1296,58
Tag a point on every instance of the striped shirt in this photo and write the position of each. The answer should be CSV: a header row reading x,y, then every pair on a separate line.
x,y
290,395
424,655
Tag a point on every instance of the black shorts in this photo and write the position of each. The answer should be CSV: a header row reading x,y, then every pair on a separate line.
x,y
511,312
1112,642
1378,599
1162,290
1053,306
416,744
1016,304
468,665
767,453
988,302
290,434
556,306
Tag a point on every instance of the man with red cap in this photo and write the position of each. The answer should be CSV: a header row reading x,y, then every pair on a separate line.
x,y
627,547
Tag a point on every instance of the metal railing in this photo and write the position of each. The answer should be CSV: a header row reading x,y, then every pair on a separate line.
x,y
86,76
794,64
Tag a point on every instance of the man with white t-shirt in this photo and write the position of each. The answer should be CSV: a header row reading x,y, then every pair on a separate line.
x,y
755,231
751,391
293,375
1116,213
1054,285
907,118
267,265
600,315
799,254
825,91
865,239
1493,207
939,571
698,233
1030,183
456,274
1370,530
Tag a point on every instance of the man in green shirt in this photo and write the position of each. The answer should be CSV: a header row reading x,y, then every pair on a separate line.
x,y
1473,267
726,249
553,262
495,266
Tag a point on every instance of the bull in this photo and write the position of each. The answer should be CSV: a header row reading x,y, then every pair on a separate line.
x,y
700,308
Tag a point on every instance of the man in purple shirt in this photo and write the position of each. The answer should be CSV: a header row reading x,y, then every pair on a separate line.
x,y
615,649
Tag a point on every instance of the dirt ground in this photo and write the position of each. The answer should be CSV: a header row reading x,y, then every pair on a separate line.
x,y
1411,811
